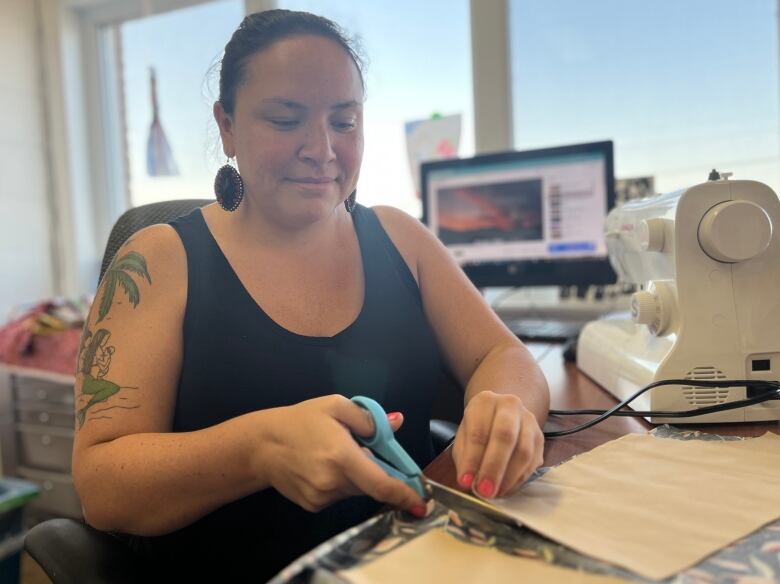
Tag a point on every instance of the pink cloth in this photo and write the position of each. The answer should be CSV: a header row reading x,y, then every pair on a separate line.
x,y
54,352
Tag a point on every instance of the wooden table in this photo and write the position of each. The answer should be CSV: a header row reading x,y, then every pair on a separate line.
x,y
571,389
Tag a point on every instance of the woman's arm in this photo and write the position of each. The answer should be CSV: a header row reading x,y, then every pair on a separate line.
x,y
499,443
155,483
133,474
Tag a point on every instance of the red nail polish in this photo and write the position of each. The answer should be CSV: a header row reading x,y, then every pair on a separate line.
x,y
392,416
486,488
418,511
466,480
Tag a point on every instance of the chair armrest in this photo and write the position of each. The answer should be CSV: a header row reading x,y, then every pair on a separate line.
x,y
442,433
70,551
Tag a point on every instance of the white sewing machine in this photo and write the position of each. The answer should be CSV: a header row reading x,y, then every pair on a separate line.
x,y
707,261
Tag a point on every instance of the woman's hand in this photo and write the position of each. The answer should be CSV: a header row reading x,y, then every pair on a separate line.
x,y
313,460
498,446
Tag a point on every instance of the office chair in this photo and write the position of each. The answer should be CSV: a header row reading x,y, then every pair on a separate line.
x,y
137,218
72,552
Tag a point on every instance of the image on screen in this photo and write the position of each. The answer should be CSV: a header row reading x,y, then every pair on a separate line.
x,y
506,211
531,218
521,206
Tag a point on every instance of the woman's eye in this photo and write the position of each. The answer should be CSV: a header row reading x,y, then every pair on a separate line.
x,y
284,124
345,126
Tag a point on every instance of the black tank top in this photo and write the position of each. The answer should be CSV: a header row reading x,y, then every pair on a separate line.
x,y
236,359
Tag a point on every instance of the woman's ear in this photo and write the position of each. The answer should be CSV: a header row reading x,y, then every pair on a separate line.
x,y
225,124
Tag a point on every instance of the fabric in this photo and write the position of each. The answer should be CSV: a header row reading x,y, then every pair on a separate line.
x,y
439,557
22,347
753,559
237,359
652,505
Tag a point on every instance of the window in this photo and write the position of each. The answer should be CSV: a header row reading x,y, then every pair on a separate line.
x,y
175,45
681,87
419,64
401,87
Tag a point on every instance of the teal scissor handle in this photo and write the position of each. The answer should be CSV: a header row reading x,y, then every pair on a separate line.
x,y
394,459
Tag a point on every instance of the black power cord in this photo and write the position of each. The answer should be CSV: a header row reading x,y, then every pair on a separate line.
x,y
768,390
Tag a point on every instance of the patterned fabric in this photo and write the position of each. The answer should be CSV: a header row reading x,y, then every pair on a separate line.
x,y
752,560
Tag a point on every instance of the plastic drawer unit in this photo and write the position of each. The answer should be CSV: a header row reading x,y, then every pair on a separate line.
x,y
42,433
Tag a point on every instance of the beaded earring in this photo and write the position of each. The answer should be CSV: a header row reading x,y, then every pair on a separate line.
x,y
228,187
349,202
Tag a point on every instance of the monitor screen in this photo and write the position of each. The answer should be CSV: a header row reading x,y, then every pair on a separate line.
x,y
533,218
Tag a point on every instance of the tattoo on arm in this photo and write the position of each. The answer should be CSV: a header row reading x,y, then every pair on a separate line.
x,y
96,352
117,273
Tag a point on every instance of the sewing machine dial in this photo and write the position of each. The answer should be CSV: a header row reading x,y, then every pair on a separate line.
x,y
651,233
654,307
735,231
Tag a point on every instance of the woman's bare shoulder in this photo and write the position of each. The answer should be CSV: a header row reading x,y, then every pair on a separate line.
x,y
157,244
410,236
154,239
406,233
400,224
158,251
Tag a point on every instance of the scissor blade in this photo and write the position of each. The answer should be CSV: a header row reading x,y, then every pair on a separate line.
x,y
463,502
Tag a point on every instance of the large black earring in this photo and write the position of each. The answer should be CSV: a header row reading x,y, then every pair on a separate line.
x,y
229,187
349,202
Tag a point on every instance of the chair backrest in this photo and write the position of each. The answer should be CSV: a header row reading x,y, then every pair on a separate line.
x,y
137,218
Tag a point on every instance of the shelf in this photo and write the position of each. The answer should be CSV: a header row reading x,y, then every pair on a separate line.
x,y
52,376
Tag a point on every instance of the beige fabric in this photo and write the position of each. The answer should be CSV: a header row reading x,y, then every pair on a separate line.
x,y
655,505
438,557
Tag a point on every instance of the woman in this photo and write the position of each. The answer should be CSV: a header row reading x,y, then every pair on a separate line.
x,y
238,333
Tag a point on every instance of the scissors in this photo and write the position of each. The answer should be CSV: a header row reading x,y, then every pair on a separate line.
x,y
397,463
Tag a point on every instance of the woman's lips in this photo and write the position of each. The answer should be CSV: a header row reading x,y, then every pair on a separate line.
x,y
313,180
313,184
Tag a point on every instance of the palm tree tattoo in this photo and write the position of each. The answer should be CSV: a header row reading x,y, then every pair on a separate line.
x,y
96,353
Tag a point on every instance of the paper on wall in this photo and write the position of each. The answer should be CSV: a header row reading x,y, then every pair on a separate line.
x,y
434,139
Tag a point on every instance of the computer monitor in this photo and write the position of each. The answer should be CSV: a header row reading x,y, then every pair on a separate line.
x,y
531,218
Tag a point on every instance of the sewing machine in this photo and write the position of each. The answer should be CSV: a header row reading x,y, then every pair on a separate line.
x,y
707,263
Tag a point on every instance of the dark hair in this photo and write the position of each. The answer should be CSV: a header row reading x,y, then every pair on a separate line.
x,y
259,31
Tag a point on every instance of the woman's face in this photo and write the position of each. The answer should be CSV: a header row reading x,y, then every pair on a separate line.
x,y
297,128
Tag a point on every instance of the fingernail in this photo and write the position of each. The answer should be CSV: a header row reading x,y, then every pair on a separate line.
x,y
466,480
418,510
393,416
370,419
486,488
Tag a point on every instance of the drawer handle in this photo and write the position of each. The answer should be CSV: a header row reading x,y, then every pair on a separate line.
x,y
48,486
43,417
42,394
45,439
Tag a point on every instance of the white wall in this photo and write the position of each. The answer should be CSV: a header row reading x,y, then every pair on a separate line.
x,y
25,242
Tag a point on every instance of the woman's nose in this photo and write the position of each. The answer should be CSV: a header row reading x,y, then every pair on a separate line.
x,y
317,146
